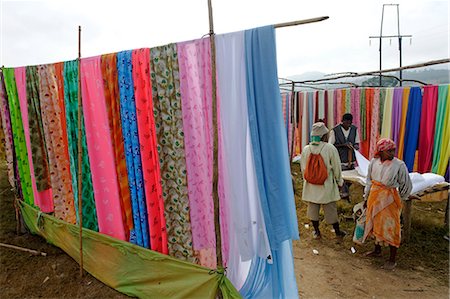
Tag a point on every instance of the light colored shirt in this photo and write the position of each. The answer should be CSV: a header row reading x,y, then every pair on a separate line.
x,y
391,173
329,191
332,137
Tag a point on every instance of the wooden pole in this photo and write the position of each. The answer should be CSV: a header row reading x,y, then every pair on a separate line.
x,y
80,111
301,22
216,138
33,252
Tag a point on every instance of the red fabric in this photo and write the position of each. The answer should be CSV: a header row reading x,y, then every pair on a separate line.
x,y
365,144
427,124
149,153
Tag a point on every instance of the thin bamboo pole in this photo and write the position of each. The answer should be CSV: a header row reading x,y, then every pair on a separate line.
x,y
301,22
80,111
216,138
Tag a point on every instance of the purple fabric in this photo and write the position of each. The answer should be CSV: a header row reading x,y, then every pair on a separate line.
x,y
396,115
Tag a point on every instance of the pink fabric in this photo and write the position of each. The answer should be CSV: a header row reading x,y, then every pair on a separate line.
x,y
374,122
104,175
338,105
149,153
42,199
196,95
427,124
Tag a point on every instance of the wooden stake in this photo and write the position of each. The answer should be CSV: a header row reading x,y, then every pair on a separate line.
x,y
34,252
216,139
80,197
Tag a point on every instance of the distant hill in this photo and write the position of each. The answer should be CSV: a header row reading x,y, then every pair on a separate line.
x,y
429,75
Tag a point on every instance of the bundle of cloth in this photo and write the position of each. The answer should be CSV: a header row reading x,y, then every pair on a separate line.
x,y
419,181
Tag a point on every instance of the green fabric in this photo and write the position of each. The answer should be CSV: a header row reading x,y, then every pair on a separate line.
x,y
348,105
128,268
71,105
362,113
438,134
37,139
316,139
18,135
382,100
169,131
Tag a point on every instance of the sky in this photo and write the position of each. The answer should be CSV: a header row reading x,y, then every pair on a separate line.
x,y
38,32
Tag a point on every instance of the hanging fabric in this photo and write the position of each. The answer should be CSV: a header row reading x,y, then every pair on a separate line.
x,y
366,103
444,155
104,176
7,131
355,110
89,213
18,136
58,159
273,174
412,127
139,235
439,141
386,123
330,109
38,150
169,131
348,100
427,126
374,121
362,113
305,120
196,98
396,115
43,199
401,140
149,153
112,101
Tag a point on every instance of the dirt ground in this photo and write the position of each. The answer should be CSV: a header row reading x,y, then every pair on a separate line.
x,y
335,272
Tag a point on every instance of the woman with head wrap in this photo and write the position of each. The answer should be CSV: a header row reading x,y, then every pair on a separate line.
x,y
388,183
324,193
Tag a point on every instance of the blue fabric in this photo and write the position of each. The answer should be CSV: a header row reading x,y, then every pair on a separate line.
x,y
270,151
140,234
412,127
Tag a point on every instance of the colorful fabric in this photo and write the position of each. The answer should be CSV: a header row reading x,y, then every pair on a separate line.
x,y
149,153
362,113
7,132
43,199
38,149
439,127
140,234
386,123
374,124
50,110
112,101
401,141
104,176
427,126
396,114
412,127
383,215
196,94
443,157
348,100
169,130
89,213
356,103
18,136
384,144
367,102
381,109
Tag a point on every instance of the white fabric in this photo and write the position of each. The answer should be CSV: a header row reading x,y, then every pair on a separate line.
x,y
363,164
330,109
328,192
422,181
247,231
321,104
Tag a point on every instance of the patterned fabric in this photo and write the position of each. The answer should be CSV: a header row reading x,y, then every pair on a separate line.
x,y
38,150
140,234
57,154
362,111
100,150
374,122
384,144
169,129
7,131
196,92
43,199
149,152
71,108
112,101
18,136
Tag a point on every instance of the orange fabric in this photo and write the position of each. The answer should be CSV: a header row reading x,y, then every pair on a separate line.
x,y
343,106
316,171
59,70
405,102
112,98
383,215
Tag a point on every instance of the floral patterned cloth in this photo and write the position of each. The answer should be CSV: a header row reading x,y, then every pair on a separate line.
x,y
112,100
71,108
169,130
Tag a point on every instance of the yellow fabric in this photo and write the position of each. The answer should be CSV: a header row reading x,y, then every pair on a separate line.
x,y
130,269
405,101
386,126
445,148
